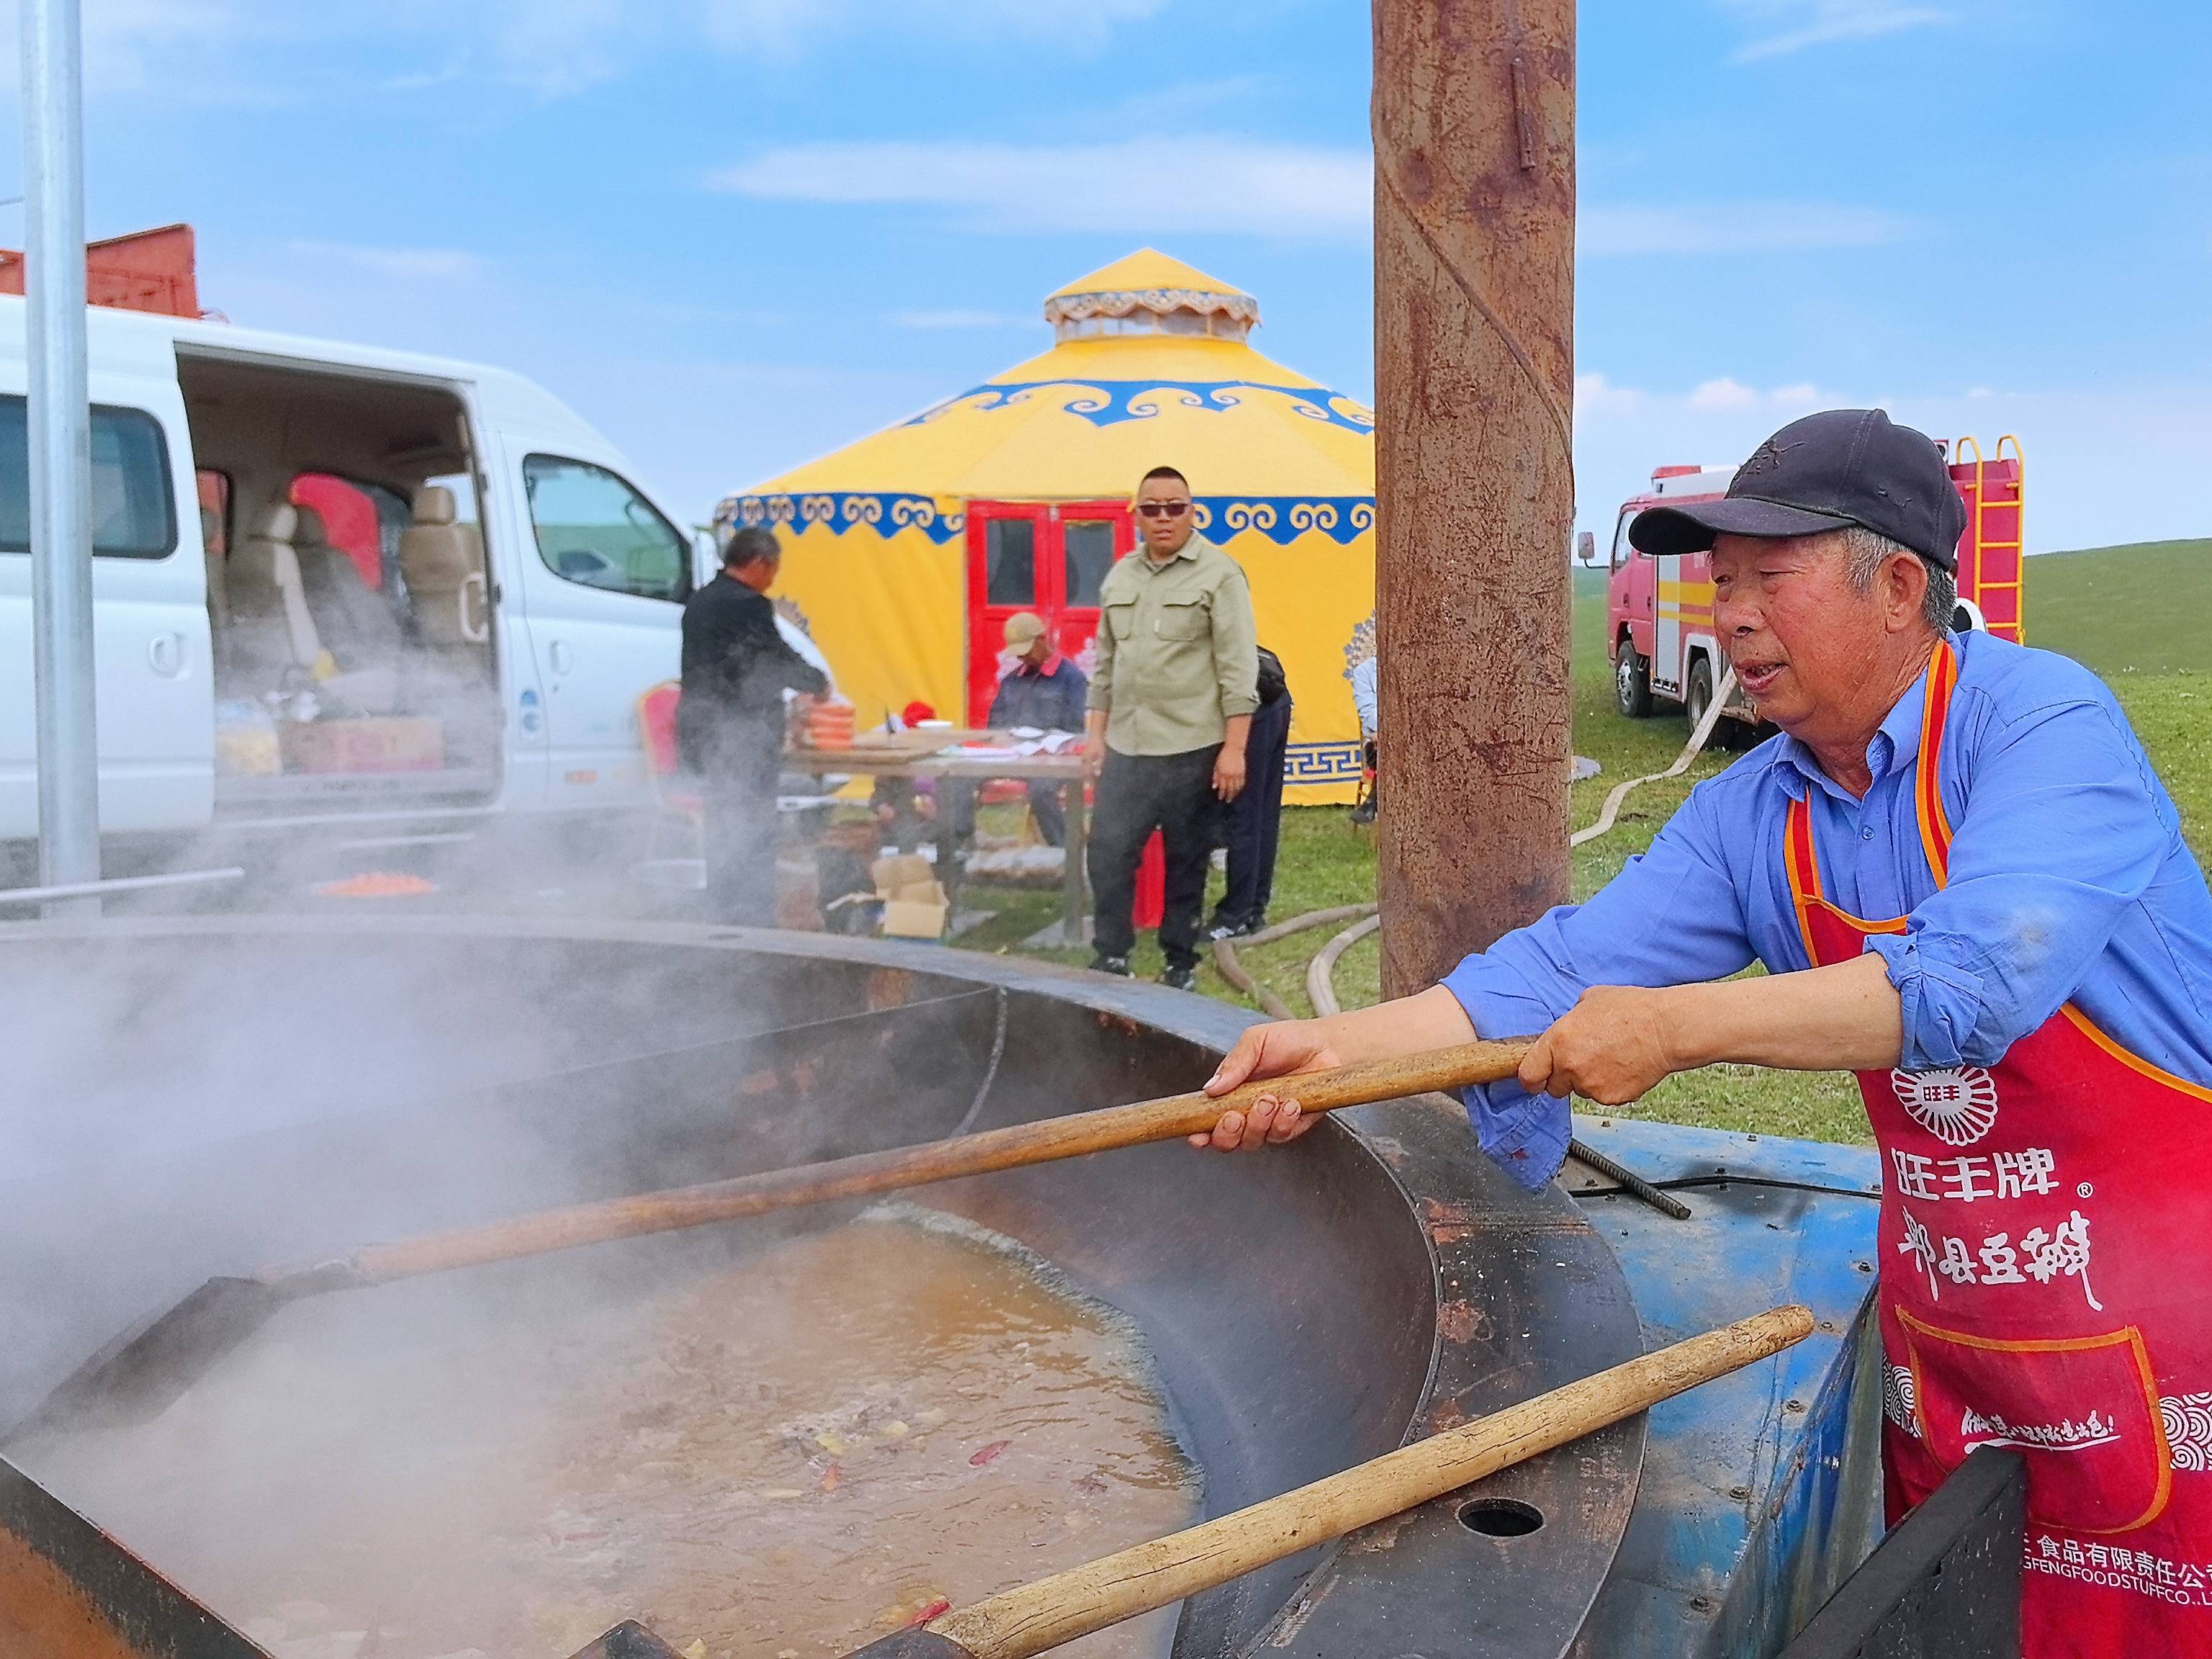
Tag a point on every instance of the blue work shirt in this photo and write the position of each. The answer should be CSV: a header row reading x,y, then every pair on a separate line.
x,y
2070,881
1050,698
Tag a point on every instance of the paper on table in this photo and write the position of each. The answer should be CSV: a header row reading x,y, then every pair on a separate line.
x,y
1048,743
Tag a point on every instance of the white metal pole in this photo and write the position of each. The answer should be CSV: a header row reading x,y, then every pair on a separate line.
x,y
61,452
46,896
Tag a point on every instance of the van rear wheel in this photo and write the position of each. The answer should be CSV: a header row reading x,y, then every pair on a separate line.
x,y
1632,682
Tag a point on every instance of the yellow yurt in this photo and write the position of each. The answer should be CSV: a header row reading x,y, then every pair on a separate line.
x,y
905,552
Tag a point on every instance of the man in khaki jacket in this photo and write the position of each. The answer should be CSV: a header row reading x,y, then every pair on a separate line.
x,y
1171,704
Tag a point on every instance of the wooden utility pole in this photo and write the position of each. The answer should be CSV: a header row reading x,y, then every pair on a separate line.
x,y
1474,240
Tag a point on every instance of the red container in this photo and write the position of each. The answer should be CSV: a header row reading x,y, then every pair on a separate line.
x,y
147,270
830,725
1151,902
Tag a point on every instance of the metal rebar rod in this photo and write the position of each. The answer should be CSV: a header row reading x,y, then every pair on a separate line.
x,y
1631,1182
60,424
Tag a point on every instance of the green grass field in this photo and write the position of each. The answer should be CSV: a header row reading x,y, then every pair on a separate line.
x,y
2134,614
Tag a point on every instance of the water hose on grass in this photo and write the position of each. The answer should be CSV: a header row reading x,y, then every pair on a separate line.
x,y
1225,961
1690,750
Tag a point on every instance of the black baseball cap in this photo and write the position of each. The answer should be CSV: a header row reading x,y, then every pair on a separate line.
x,y
1828,471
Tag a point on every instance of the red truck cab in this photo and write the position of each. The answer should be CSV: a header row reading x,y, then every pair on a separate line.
x,y
1659,612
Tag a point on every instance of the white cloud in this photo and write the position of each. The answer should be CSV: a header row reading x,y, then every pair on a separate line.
x,y
959,319
122,39
556,47
405,264
1596,395
1724,393
785,25
1793,25
1745,226
1728,394
1140,186
1147,187
193,50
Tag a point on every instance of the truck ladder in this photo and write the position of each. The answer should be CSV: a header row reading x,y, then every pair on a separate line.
x,y
1985,516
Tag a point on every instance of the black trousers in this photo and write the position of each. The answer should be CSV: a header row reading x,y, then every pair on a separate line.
x,y
742,835
1138,794
1252,822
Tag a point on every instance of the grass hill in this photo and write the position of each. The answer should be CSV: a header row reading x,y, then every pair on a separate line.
x,y
2144,608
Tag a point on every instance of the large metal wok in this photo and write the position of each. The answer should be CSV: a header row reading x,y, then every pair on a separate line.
x,y
193,1097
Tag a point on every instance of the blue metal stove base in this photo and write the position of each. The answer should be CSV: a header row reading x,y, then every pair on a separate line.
x,y
1761,1491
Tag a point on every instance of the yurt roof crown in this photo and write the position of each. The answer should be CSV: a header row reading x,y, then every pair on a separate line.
x,y
1148,293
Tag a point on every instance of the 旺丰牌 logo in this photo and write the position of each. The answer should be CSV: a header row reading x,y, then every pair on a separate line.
x,y
1958,1106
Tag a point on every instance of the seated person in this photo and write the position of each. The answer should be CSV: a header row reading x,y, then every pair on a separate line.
x,y
904,806
1042,690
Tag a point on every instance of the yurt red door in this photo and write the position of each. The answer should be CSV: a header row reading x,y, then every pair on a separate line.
x,y
1032,556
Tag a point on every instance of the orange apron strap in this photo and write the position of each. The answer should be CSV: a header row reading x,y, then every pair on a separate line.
x,y
1928,790
1804,870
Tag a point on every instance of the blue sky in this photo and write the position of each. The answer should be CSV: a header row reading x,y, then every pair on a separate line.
x,y
737,233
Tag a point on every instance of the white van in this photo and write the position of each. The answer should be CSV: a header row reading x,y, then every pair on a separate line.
x,y
474,637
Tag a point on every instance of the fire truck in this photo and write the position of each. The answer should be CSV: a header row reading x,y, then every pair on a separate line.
x,y
1659,611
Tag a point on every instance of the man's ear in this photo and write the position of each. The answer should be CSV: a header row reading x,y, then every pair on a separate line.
x,y
1907,589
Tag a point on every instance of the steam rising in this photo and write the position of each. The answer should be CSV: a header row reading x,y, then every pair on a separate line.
x,y
735,1435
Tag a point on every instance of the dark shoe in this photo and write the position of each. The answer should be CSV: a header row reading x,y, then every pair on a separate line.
x,y
1118,966
1180,979
1365,812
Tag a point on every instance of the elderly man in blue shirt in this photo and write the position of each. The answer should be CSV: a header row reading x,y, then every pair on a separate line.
x,y
1967,885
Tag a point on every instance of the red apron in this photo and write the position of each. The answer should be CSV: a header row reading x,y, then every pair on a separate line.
x,y
2042,1286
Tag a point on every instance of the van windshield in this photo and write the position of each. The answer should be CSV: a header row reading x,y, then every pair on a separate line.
x,y
134,511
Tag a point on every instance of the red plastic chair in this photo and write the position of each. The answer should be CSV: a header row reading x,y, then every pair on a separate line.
x,y
656,725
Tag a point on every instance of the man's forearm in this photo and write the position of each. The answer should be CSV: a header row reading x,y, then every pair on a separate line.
x,y
1845,1017
1235,730
1094,723
1409,1025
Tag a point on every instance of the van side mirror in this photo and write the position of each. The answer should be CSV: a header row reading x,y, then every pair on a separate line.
x,y
1586,546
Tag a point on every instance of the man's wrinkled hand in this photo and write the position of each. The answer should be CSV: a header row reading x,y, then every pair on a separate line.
x,y
1094,756
1611,1047
1228,773
1283,1050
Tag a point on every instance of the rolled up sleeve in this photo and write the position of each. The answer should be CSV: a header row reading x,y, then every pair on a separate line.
x,y
1670,917
2063,831
1235,647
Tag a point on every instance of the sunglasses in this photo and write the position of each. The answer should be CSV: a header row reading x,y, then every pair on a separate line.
x,y
1164,509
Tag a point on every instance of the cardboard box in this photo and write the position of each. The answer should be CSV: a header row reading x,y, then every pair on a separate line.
x,y
915,905
247,751
385,743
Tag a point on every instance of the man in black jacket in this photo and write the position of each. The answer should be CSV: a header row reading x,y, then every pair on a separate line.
x,y
1252,822
730,722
